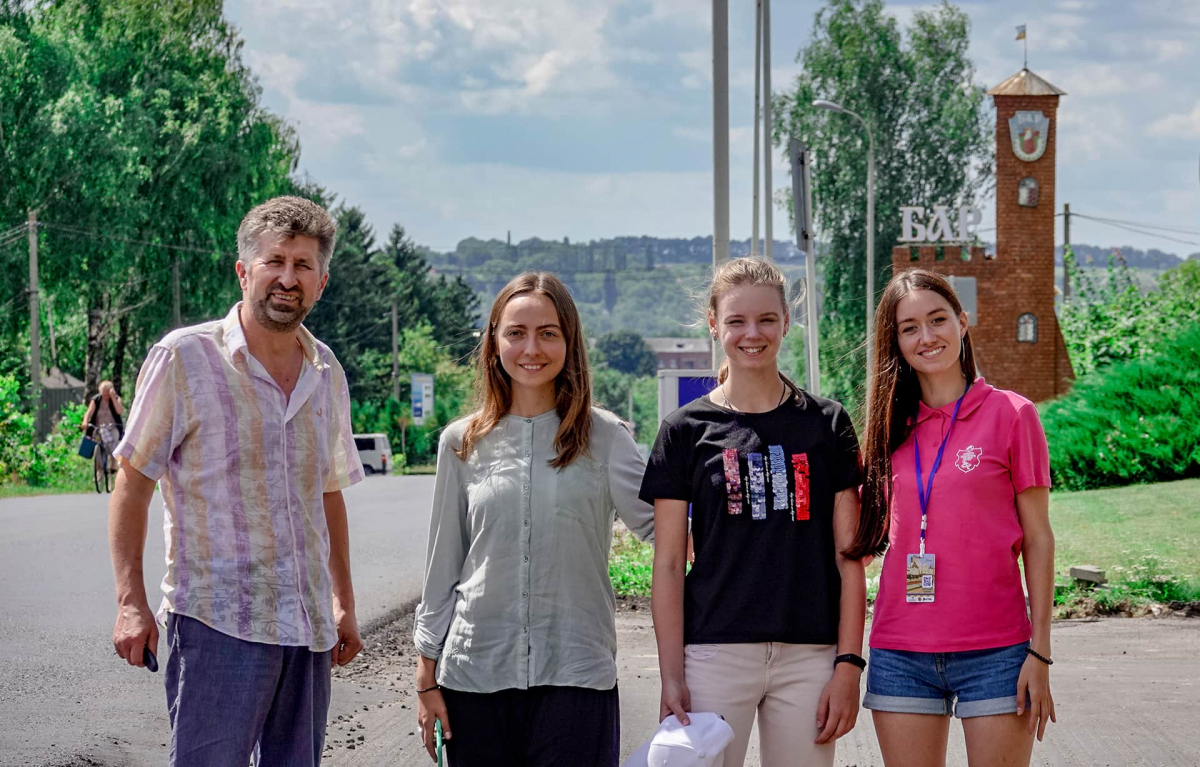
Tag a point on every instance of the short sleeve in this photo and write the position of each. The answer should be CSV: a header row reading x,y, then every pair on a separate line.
x,y
1028,453
847,463
666,471
157,424
345,467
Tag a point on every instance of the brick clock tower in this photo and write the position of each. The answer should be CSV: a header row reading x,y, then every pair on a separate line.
x,y
1018,343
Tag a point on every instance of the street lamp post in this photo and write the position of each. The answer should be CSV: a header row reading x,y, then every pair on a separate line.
x,y
831,106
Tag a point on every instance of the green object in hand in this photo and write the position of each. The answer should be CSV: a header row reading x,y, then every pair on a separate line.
x,y
437,734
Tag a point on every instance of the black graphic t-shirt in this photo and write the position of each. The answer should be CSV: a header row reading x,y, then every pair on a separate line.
x,y
761,488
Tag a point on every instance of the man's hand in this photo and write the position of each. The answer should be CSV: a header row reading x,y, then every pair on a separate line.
x,y
349,643
838,710
135,630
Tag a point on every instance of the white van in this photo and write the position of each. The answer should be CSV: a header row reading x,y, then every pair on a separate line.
x,y
375,452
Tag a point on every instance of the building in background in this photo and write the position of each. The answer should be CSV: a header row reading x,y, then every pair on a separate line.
x,y
1009,295
682,353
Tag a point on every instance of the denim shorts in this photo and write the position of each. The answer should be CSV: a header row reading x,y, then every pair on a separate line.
x,y
977,682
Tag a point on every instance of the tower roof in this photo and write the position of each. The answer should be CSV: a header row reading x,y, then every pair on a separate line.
x,y
1025,83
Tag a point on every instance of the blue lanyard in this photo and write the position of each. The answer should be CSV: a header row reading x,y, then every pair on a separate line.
x,y
925,489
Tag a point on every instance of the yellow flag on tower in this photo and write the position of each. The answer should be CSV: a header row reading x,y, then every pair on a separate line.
x,y
1021,32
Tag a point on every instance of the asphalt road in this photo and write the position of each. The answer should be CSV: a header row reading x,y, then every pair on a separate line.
x,y
65,700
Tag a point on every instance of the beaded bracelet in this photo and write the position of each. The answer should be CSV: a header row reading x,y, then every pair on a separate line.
x,y
431,688
1040,657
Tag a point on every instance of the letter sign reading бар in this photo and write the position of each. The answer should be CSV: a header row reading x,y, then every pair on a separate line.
x,y
938,228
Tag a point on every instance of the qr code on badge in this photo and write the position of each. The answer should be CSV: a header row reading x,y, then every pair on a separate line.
x,y
926,581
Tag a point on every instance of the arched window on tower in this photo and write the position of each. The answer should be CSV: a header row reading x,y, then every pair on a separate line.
x,y
1027,328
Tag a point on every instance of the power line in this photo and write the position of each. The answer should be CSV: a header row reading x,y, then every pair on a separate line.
x,y
1177,230
1110,222
132,241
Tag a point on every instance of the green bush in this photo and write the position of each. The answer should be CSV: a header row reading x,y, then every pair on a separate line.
x,y
630,565
1130,422
51,463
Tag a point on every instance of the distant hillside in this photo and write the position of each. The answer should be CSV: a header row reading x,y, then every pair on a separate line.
x,y
645,284
1092,255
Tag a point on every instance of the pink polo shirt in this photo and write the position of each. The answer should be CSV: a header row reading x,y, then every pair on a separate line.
x,y
997,450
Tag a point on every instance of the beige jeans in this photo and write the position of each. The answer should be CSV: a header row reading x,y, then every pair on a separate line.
x,y
781,682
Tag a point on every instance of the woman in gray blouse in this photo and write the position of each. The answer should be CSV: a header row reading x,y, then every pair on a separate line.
x,y
516,629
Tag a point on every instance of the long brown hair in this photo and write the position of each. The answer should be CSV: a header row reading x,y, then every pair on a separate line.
x,y
746,271
572,387
895,397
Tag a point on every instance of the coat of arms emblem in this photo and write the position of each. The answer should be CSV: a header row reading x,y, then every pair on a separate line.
x,y
968,459
1029,132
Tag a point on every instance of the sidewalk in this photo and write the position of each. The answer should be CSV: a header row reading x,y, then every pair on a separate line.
x,y
1127,692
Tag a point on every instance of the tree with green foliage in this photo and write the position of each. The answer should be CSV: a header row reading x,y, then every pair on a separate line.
x,y
127,124
1111,319
627,352
931,124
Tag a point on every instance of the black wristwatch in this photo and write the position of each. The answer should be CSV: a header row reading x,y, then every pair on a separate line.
x,y
852,659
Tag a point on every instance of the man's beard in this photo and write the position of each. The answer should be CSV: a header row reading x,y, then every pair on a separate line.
x,y
276,319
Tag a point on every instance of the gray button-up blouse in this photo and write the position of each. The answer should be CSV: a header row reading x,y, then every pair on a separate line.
x,y
516,592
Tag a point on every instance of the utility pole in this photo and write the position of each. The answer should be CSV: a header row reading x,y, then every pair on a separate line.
x,y
720,71
396,357
758,23
1066,244
175,289
769,210
35,350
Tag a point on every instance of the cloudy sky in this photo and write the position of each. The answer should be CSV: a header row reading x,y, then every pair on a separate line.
x,y
592,118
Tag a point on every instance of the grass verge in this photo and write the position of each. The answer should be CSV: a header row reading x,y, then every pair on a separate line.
x,y
1143,536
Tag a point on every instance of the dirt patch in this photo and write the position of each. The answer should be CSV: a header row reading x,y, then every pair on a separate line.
x,y
633,604
1087,607
388,656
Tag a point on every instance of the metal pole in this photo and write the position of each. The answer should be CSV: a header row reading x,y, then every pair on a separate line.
x,y
1066,244
758,23
396,357
175,289
35,348
810,276
720,69
769,209
870,243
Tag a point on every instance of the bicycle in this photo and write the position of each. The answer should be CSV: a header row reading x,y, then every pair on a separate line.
x,y
102,472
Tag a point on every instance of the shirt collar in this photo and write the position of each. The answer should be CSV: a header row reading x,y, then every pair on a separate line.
x,y
975,396
235,339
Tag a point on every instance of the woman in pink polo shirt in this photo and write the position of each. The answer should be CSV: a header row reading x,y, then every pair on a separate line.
x,y
957,487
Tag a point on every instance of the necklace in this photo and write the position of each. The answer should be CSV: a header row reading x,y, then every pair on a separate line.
x,y
725,399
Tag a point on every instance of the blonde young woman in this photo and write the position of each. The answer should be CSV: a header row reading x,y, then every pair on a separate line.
x,y
769,620
957,487
516,625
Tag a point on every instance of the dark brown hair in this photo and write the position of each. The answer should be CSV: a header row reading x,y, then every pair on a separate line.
x,y
895,393
572,387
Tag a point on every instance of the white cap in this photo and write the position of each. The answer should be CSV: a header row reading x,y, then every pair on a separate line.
x,y
700,744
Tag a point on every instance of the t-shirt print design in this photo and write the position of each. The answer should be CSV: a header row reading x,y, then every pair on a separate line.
x,y
968,459
733,480
800,467
757,483
758,486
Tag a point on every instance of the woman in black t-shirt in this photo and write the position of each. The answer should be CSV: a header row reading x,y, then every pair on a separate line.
x,y
770,618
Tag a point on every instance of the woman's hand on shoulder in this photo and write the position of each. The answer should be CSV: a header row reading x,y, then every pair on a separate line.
x,y
837,713
675,700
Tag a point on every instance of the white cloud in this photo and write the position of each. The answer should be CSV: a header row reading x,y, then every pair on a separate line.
x,y
1180,125
1084,79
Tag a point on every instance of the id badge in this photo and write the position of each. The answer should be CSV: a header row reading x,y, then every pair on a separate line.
x,y
920,578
